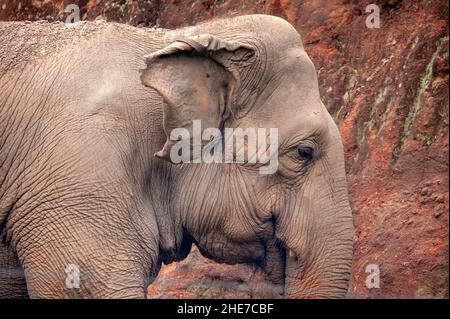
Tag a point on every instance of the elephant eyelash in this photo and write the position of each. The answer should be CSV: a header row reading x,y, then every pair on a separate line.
x,y
311,140
291,164
306,154
293,150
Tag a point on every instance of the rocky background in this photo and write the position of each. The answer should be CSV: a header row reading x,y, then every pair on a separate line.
x,y
387,90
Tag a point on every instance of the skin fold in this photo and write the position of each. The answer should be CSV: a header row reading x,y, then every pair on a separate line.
x,y
86,177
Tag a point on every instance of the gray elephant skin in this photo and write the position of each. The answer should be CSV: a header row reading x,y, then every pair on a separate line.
x,y
90,203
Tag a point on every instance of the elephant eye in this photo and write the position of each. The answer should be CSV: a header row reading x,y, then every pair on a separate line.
x,y
306,153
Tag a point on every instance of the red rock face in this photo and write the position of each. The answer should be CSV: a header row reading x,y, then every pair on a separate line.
x,y
387,90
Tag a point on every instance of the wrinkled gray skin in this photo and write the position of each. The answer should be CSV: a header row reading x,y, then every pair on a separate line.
x,y
79,182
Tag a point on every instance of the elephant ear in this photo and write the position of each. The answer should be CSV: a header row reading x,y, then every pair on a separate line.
x,y
196,77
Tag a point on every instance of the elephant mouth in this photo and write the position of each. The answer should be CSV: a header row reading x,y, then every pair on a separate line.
x,y
274,262
274,265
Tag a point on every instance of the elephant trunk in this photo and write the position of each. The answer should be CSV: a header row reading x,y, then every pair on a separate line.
x,y
320,266
323,270
318,237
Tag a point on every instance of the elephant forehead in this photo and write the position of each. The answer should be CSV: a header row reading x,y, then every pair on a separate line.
x,y
292,123
311,122
293,107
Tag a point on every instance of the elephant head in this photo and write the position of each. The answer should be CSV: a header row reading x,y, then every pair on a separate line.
x,y
295,223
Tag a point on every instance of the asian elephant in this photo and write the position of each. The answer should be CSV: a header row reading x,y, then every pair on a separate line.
x,y
91,202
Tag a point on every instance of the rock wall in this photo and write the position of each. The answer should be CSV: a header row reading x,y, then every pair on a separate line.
x,y
387,90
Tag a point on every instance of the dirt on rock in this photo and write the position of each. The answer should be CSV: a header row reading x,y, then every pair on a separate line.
x,y
386,87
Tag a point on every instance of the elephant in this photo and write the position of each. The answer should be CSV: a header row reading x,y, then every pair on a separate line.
x,y
91,201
